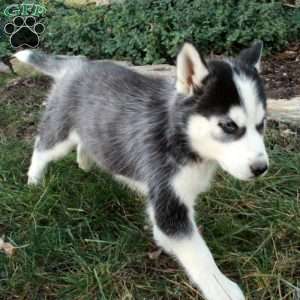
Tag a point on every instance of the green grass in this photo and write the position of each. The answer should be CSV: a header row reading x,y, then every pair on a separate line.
x,y
83,236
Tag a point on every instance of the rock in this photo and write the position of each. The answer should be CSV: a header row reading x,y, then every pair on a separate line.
x,y
78,3
4,68
157,70
7,248
285,110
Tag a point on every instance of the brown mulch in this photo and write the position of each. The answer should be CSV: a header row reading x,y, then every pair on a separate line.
x,y
22,98
281,73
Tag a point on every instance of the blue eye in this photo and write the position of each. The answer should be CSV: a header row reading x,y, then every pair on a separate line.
x,y
229,127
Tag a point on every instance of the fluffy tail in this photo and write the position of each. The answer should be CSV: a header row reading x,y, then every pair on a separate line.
x,y
47,64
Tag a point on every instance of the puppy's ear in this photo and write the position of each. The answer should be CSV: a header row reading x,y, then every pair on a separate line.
x,y
191,70
252,55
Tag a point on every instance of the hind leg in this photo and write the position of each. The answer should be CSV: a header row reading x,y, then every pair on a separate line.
x,y
84,161
138,186
43,155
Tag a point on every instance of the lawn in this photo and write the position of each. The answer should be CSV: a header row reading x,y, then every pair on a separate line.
x,y
84,236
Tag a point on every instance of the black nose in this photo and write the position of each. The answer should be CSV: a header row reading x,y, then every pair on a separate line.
x,y
258,168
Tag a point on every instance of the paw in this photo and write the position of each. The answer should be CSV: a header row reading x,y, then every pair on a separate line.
x,y
218,287
24,32
33,180
85,166
83,161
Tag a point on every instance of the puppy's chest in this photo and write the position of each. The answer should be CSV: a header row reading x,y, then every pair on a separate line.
x,y
193,179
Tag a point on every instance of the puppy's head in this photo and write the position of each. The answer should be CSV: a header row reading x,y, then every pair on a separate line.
x,y
227,112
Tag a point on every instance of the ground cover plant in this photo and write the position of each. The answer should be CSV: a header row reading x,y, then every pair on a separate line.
x,y
152,31
84,236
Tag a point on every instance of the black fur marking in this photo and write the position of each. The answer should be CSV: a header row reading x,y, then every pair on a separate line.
x,y
170,214
219,92
260,127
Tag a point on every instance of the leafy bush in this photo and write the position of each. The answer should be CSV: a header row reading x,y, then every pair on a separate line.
x,y
5,47
151,31
146,31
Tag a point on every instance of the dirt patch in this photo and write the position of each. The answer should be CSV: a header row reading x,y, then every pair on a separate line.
x,y
25,91
20,104
281,73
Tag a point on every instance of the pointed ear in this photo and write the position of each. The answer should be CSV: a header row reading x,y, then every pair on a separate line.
x,y
191,70
252,55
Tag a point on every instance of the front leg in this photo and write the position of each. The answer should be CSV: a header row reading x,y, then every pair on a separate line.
x,y
175,231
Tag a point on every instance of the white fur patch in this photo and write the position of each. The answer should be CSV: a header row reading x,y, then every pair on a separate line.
x,y
200,131
84,161
193,179
248,93
238,115
40,159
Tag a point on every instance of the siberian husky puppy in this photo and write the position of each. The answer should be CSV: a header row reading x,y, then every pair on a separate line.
x,y
163,137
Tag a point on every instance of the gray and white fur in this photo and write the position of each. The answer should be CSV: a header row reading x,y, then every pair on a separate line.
x,y
163,137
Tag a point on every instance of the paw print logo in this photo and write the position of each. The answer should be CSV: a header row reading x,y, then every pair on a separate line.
x,y
24,32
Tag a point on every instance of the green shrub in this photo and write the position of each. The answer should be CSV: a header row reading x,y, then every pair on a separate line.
x,y
5,47
151,31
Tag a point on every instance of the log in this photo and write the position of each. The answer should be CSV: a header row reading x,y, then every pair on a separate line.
x,y
156,70
80,3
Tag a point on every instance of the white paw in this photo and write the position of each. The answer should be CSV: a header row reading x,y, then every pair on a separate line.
x,y
85,165
218,287
33,180
83,161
